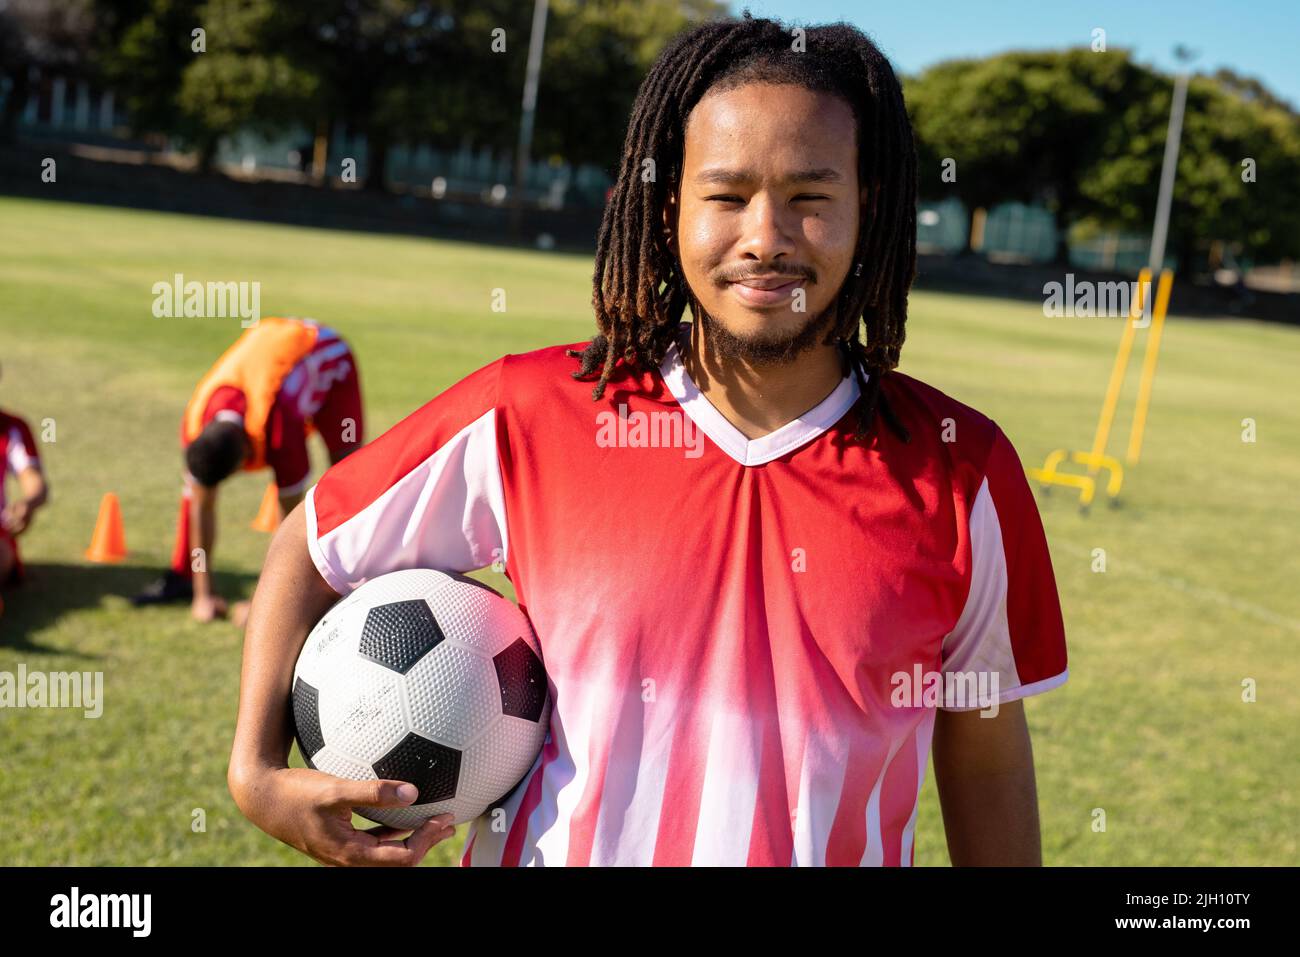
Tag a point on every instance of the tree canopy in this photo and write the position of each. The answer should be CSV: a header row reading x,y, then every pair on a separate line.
x,y
1078,131
1083,133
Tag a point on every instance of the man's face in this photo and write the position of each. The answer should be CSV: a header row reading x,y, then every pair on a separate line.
x,y
769,197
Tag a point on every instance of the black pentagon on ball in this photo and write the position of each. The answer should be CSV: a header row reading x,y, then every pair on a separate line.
x,y
399,634
523,681
306,719
432,767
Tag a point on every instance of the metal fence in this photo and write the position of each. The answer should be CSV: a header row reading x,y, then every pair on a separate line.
x,y
67,108
1022,233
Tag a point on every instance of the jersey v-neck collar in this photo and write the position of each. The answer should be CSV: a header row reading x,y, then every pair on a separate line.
x,y
798,431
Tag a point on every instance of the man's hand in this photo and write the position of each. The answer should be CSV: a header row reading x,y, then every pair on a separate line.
x,y
208,607
16,517
312,812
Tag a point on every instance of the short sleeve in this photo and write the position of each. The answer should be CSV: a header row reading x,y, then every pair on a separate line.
x,y
1010,629
21,453
427,493
226,403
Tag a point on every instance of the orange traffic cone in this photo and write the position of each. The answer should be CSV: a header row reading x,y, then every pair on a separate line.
x,y
268,516
108,544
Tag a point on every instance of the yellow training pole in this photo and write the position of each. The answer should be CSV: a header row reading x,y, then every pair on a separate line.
x,y
1117,375
1149,367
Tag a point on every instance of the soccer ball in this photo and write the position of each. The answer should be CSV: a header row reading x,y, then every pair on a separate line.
x,y
426,677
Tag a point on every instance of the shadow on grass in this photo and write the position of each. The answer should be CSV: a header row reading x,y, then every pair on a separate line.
x,y
51,590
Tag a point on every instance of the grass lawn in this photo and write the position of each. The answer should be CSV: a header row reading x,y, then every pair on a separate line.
x,y
1198,593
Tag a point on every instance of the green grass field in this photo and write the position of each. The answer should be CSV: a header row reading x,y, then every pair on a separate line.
x,y
1198,594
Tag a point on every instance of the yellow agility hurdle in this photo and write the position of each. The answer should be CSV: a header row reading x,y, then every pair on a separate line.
x,y
1149,368
1096,458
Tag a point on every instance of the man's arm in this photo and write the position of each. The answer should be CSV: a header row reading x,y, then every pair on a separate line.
x,y
290,598
18,515
203,519
1012,615
452,504
305,809
239,610
984,768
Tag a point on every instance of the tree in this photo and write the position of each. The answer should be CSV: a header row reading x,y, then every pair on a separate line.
x,y
142,50
1253,206
1084,133
597,54
444,72
1022,126
372,60
239,81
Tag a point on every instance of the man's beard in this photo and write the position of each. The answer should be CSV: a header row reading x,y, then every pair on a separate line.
x,y
778,348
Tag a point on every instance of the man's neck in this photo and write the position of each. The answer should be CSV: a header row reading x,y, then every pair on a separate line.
x,y
758,398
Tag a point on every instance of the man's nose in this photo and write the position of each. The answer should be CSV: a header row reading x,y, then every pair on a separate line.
x,y
766,229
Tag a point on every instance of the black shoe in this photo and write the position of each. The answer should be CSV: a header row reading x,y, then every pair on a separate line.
x,y
170,588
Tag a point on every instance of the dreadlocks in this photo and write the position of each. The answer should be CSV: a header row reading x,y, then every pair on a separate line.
x,y
639,291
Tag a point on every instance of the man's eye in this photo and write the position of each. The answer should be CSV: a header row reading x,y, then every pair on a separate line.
x,y
736,199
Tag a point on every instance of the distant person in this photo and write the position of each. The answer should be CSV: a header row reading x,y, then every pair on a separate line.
x,y
282,379
21,459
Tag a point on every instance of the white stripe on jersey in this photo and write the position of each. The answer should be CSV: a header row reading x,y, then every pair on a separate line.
x,y
727,799
309,381
563,782
631,801
490,844
411,524
874,853
18,459
821,786
922,737
981,639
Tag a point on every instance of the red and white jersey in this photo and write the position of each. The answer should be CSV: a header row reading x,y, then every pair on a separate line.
x,y
301,396
18,451
722,619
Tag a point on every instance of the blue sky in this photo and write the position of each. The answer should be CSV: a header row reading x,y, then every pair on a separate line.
x,y
1259,38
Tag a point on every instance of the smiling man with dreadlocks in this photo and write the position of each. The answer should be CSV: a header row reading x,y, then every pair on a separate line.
x,y
757,558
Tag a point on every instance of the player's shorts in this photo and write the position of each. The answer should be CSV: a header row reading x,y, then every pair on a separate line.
x,y
15,573
340,420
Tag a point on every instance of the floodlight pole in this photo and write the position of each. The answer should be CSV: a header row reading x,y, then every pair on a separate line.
x,y
1169,171
533,69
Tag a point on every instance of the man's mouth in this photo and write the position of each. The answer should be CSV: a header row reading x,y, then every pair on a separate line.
x,y
766,290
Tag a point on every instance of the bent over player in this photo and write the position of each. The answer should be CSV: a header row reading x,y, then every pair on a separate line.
x,y
282,379
724,621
